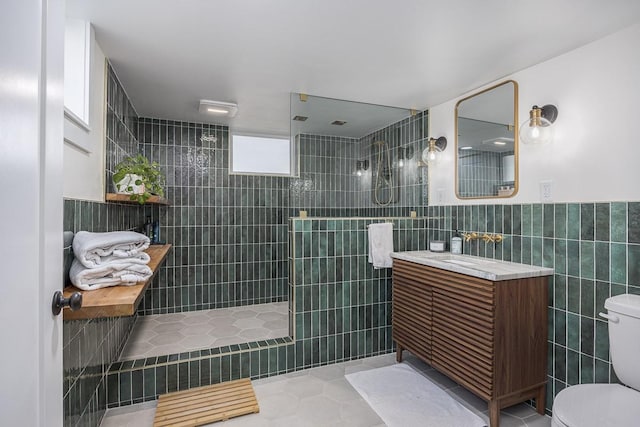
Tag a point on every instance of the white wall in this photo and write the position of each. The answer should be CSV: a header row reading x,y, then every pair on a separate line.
x,y
84,172
595,155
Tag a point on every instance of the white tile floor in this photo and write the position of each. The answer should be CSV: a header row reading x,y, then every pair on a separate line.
x,y
161,334
323,397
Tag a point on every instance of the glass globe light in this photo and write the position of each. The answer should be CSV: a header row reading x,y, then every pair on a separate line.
x,y
537,129
430,154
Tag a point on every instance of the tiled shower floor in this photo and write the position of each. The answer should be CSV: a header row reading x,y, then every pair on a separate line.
x,y
161,334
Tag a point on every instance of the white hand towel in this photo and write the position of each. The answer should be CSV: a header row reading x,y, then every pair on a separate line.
x,y
96,249
124,273
381,245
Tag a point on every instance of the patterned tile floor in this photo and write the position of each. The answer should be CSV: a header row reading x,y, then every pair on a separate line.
x,y
323,397
161,334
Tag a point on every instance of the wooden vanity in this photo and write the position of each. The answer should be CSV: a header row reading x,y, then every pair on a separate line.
x,y
487,333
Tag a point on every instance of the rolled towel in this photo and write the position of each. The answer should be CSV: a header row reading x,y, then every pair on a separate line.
x,y
114,274
95,249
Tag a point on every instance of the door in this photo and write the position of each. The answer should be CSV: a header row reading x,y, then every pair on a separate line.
x,y
411,308
463,332
31,114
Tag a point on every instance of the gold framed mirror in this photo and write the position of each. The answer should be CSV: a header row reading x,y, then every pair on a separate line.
x,y
486,163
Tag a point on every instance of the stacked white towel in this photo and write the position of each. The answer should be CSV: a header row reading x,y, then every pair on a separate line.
x,y
95,249
109,259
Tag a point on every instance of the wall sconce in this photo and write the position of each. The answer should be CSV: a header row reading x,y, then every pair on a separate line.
x,y
361,165
404,153
429,155
537,129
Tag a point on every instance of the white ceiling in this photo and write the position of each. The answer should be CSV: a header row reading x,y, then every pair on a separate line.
x,y
405,53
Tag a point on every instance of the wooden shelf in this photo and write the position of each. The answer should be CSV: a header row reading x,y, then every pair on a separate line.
x,y
124,198
115,301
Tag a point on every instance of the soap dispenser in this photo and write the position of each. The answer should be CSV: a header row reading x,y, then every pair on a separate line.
x,y
456,243
148,228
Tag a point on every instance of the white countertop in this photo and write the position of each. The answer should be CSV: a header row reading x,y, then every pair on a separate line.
x,y
484,268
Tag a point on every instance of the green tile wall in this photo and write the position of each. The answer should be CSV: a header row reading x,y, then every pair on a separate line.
x,y
328,185
229,232
90,346
121,126
595,251
341,305
408,182
342,311
480,172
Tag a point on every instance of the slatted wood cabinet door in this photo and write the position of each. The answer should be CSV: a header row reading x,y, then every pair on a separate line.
x,y
411,311
463,321
490,337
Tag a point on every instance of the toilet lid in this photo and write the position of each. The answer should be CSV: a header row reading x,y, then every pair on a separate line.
x,y
598,405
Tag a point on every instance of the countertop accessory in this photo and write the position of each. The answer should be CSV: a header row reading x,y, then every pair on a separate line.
x,y
456,243
437,245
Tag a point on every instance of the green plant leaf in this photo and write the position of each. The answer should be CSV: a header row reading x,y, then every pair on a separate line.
x,y
118,176
149,172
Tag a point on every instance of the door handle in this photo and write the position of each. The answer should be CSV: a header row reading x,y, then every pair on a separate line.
x,y
74,302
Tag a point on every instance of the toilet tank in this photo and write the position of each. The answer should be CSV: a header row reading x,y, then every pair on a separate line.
x,y
624,337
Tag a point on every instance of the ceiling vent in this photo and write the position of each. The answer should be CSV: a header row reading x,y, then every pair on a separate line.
x,y
218,108
338,122
300,118
498,141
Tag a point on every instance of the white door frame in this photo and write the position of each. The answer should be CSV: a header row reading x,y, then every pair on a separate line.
x,y
31,144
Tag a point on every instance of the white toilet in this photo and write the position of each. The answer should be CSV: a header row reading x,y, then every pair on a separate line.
x,y
614,405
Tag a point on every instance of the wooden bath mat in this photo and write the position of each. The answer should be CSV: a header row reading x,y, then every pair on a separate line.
x,y
204,405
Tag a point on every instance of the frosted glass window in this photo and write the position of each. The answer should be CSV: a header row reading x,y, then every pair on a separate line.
x,y
260,155
77,57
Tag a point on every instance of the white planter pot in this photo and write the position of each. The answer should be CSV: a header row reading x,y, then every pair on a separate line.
x,y
129,180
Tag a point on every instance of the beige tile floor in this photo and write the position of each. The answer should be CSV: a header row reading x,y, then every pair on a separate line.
x,y
161,334
323,397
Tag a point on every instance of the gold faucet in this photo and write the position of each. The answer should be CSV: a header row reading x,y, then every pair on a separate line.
x,y
470,236
486,237
494,238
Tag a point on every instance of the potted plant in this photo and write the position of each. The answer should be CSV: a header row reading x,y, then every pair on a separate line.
x,y
139,178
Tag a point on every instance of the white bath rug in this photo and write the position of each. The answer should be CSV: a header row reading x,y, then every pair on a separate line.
x,y
404,398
